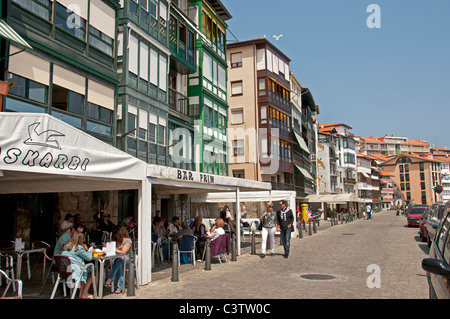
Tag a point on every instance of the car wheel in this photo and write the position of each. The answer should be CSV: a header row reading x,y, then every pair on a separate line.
x,y
422,235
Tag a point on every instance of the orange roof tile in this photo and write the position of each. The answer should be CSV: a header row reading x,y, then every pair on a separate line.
x,y
371,139
418,142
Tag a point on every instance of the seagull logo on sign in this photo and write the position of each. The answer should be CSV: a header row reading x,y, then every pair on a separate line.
x,y
46,138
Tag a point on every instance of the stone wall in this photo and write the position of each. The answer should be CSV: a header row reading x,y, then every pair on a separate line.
x,y
87,204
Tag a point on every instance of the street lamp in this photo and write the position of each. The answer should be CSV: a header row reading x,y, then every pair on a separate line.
x,y
438,189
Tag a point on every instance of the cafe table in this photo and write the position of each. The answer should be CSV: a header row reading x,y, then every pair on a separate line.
x,y
19,254
100,266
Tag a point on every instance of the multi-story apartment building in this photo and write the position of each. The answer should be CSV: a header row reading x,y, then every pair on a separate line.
x,y
416,176
207,88
304,129
444,166
173,83
439,150
260,113
387,186
328,160
392,145
347,155
143,65
365,187
70,73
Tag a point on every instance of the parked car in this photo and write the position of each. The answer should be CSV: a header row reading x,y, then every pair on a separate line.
x,y
437,265
423,223
433,220
413,206
415,215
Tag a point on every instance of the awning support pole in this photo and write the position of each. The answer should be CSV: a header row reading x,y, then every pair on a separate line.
x,y
238,222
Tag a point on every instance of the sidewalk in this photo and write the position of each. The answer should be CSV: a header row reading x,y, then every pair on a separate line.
x,y
189,274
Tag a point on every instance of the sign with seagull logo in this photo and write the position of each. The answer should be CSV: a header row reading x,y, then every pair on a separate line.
x,y
45,138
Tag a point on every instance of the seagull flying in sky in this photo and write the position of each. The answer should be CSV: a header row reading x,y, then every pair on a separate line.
x,y
278,36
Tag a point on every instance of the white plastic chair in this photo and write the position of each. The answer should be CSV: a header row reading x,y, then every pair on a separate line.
x,y
63,265
7,267
14,282
187,247
157,249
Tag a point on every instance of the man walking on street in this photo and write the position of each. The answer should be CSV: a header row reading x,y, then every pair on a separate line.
x,y
285,221
369,211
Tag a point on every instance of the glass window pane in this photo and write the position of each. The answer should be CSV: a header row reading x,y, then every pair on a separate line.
x,y
19,106
105,115
92,111
99,128
19,88
69,119
75,102
37,92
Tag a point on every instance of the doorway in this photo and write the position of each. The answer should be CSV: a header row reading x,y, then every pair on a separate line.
x,y
43,208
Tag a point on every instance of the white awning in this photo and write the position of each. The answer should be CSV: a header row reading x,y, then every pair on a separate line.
x,y
346,197
304,172
331,198
302,142
192,182
262,196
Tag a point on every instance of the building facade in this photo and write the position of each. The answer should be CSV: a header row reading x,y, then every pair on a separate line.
x,y
416,176
71,71
304,148
392,145
260,116
207,88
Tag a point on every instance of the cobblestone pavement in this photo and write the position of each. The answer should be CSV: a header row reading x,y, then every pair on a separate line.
x,y
344,252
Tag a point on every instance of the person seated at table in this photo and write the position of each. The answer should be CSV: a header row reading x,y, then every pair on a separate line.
x,y
130,224
185,230
77,250
104,221
228,223
62,240
77,220
174,227
199,230
65,225
123,245
217,230
160,232
128,221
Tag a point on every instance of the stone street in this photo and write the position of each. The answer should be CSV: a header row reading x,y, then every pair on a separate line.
x,y
332,263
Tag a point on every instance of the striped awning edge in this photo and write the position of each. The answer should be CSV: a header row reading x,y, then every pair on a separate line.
x,y
8,33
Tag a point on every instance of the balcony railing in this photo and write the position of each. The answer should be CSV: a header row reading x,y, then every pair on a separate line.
x,y
178,102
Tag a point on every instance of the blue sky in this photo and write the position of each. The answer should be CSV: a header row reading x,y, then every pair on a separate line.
x,y
392,80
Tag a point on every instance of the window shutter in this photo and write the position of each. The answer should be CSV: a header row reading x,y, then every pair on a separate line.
x,y
236,88
237,116
69,80
261,59
29,66
101,95
143,61
163,73
153,67
133,55
102,17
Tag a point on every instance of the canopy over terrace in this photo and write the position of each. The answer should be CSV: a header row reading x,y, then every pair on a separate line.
x,y
259,196
338,199
41,154
179,181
